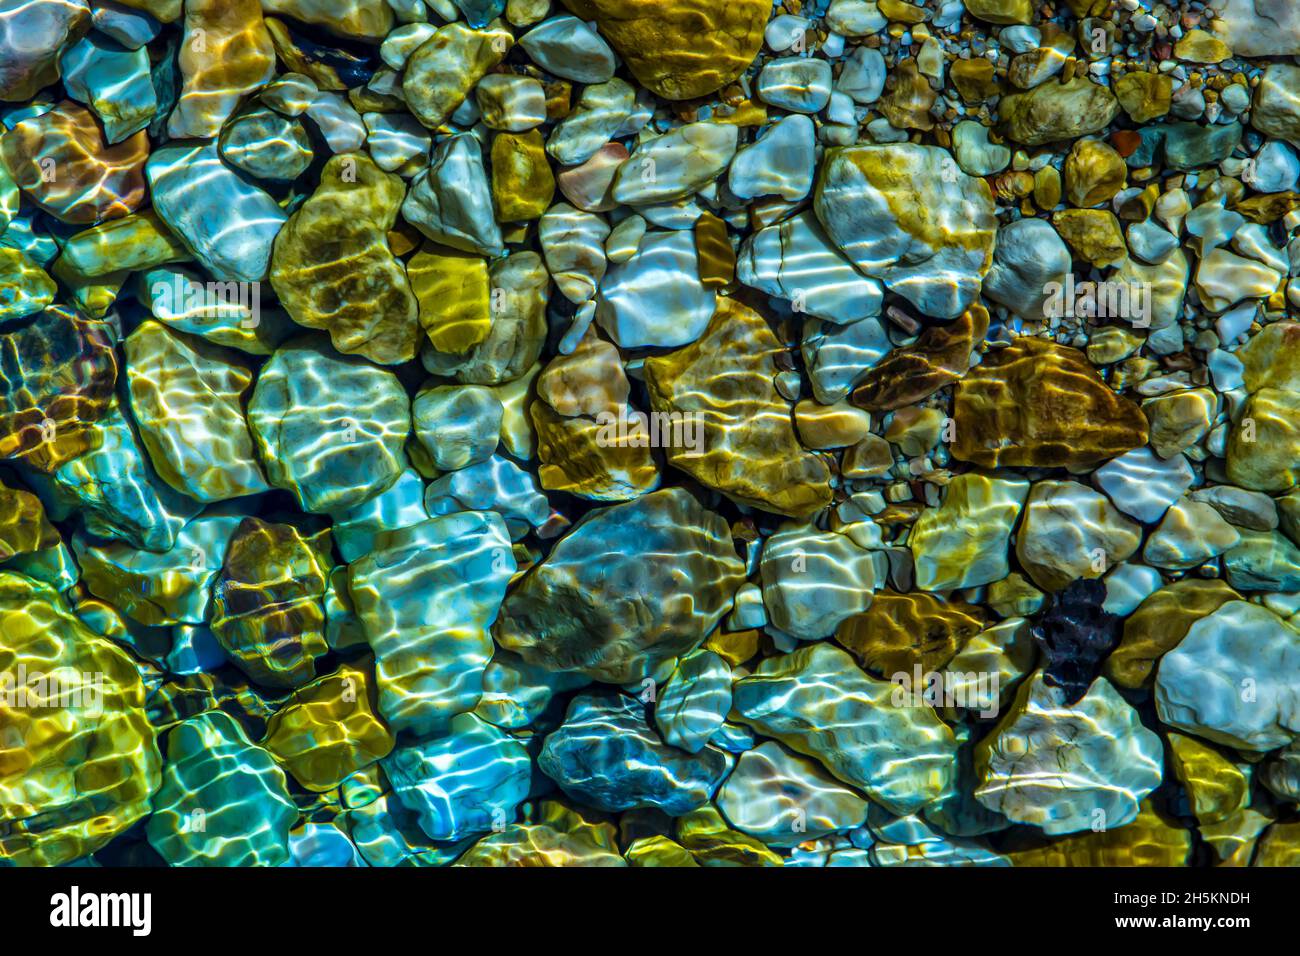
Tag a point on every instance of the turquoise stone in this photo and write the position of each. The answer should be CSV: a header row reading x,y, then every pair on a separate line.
x,y
426,596
516,693
266,145
693,705
227,223
400,506
607,756
113,81
118,492
497,484
468,782
223,800
330,428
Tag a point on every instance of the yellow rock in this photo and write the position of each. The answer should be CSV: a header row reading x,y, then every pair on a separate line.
x,y
452,288
24,529
1235,838
684,48
1272,358
716,255
78,757
1215,785
735,647
975,79
330,728
597,460
830,426
907,103
227,54
901,631
915,430
1002,11
1180,419
1057,111
522,182
1159,624
1014,596
1144,96
1112,344
1047,188
1150,840
658,851
1264,446
1093,234
1197,46
443,70
1094,173
705,834
1279,846
964,542
725,382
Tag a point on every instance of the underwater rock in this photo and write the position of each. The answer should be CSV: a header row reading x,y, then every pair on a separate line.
x,y
329,428
333,269
32,34
329,729
1233,679
73,701
817,702
112,81
226,223
695,701
1069,532
228,55
267,613
607,755
61,162
784,799
681,50
1075,634
906,215
596,607
813,581
223,800
451,201
909,374
964,542
901,631
1068,767
1039,404
468,782
426,596
748,448
441,72
187,398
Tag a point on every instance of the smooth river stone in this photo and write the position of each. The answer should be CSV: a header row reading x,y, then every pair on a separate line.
x,y
601,112
597,606
909,374
695,701
112,81
24,287
784,799
1144,485
79,761
228,224
1057,111
136,242
906,215
468,782
516,693
812,581
1039,404
838,356
779,163
332,267
606,755
817,702
266,144
675,165
329,729
451,201
495,484
568,48
725,381
901,631
267,611
1070,531
159,588
62,163
1258,27
1234,679
32,34
1029,256
57,372
518,331
117,491
223,800
795,260
24,528
964,542
1067,768
441,72
656,298
426,597
684,49
227,54
458,425
187,397
361,19
330,428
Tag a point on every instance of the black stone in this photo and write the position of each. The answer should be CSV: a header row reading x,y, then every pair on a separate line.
x,y
1076,635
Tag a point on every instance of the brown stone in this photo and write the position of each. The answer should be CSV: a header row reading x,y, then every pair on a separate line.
x,y
1037,404
901,631
940,356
